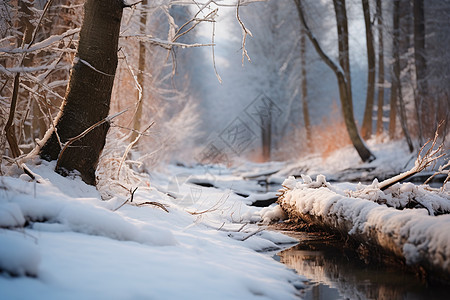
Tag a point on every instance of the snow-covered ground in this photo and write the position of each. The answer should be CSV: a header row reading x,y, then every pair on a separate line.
x,y
60,240
185,233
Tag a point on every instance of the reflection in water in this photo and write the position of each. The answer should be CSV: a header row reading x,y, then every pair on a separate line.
x,y
338,274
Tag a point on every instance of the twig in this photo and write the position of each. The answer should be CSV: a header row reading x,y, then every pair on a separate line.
x,y
245,32
128,200
131,146
430,157
213,54
442,170
252,234
132,194
81,135
155,204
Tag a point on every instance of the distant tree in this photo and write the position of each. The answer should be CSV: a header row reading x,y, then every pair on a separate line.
x,y
379,17
424,107
396,72
366,129
304,84
342,72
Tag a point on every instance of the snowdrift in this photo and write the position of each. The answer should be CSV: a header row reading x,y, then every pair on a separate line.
x,y
368,216
58,238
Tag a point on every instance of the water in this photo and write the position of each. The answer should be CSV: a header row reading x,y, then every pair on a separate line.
x,y
336,273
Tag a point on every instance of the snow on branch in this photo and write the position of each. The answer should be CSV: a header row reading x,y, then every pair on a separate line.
x,y
42,45
164,43
430,157
245,32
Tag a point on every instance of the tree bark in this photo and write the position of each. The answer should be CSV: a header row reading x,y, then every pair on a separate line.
x,y
342,72
89,91
396,68
366,129
379,12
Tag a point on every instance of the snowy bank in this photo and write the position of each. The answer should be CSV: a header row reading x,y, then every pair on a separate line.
x,y
414,236
58,238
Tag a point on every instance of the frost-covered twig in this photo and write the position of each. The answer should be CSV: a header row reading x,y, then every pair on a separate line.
x,y
131,146
245,32
441,170
430,157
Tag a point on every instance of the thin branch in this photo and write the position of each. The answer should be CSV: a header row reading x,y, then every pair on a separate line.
x,y
131,146
245,32
160,205
430,157
81,135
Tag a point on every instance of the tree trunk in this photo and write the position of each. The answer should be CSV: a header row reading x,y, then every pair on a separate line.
x,y
379,12
89,91
140,75
366,129
306,118
424,111
393,108
342,73
396,66
266,133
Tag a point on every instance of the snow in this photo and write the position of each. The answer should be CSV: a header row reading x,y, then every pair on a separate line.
x,y
415,234
58,238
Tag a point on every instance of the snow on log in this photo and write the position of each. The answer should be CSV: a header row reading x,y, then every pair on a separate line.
x,y
414,236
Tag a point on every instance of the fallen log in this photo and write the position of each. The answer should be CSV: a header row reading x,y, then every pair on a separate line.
x,y
410,236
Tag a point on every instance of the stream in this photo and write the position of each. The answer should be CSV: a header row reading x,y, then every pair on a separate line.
x,y
336,273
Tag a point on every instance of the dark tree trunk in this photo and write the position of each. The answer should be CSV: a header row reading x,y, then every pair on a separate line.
x,y
423,108
345,88
89,91
366,129
396,67
379,12
306,118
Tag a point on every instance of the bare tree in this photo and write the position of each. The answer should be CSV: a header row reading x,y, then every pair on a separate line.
x,y
422,107
366,129
379,15
304,84
396,73
342,72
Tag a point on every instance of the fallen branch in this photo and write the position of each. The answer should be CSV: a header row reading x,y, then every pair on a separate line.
x,y
420,164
